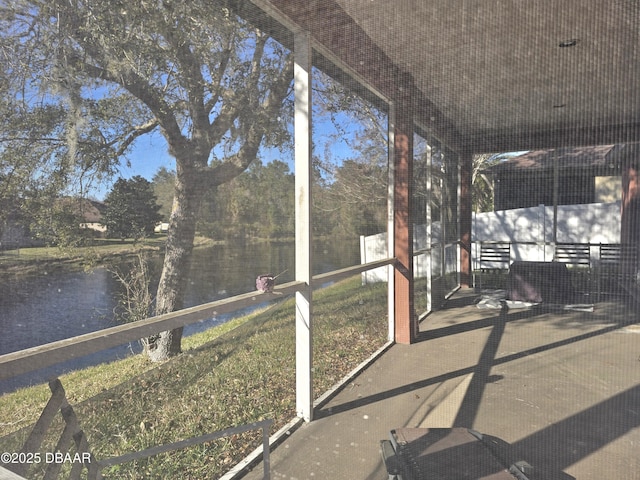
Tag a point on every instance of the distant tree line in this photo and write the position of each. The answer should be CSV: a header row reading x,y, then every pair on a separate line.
x,y
350,200
260,202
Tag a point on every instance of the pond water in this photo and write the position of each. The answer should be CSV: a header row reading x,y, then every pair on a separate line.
x,y
50,307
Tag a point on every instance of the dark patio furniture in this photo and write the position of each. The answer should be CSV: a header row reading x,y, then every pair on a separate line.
x,y
538,282
447,454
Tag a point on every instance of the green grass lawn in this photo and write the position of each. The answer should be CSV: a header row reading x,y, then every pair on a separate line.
x,y
34,260
238,373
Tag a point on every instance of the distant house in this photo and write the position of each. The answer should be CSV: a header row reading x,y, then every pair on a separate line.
x,y
162,227
584,175
91,212
15,233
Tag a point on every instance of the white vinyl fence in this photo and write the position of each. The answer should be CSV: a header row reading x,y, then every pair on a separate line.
x,y
375,246
529,230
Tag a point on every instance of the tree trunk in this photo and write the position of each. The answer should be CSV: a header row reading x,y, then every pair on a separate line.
x,y
193,178
175,270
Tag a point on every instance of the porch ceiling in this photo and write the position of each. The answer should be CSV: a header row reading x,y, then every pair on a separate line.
x,y
490,75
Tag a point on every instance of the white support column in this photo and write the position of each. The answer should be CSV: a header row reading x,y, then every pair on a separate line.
x,y
390,222
429,230
302,133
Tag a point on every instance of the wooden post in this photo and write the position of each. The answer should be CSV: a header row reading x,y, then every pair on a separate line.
x,y
406,324
630,216
302,132
466,172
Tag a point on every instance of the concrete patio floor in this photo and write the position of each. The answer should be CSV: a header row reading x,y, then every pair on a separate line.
x,y
562,387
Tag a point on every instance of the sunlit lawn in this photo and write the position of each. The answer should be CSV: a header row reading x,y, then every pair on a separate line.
x,y
98,246
235,374
35,259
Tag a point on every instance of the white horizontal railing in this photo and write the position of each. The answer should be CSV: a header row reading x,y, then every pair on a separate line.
x,y
337,275
35,358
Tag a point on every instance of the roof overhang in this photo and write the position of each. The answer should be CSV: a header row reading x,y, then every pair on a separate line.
x,y
489,76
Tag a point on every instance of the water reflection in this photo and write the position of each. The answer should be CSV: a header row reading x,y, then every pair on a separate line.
x,y
55,306
60,305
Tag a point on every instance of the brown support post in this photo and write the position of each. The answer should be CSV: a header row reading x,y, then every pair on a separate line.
x,y
406,324
630,215
466,173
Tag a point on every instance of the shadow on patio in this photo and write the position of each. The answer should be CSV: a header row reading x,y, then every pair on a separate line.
x,y
563,388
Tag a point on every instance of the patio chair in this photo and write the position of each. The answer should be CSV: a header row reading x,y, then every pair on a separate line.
x,y
615,269
577,257
452,453
493,258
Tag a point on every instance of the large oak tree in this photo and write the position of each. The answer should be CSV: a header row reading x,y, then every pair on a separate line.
x,y
209,82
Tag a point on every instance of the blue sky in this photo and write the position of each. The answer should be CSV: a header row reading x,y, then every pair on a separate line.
x,y
149,154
